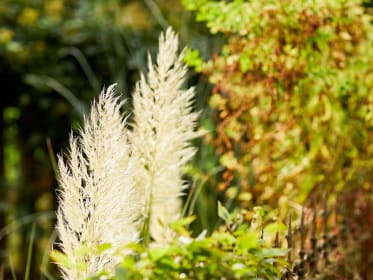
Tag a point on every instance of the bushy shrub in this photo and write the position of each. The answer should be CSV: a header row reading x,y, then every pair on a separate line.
x,y
293,96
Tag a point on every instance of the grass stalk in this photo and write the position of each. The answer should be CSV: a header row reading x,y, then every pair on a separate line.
x,y
29,252
52,157
14,277
45,258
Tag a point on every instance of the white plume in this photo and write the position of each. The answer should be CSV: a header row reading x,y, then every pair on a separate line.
x,y
98,204
163,127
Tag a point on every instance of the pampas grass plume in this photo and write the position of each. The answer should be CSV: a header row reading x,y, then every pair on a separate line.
x,y
163,127
98,204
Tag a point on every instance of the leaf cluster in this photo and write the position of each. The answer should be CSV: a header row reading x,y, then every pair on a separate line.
x,y
234,251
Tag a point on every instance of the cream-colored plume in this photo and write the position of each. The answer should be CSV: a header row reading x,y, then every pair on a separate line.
x,y
163,126
98,204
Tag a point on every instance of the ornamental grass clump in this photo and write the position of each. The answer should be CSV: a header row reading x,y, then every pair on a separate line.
x,y
163,126
98,204
117,183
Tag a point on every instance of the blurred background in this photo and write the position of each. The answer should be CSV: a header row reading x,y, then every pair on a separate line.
x,y
55,57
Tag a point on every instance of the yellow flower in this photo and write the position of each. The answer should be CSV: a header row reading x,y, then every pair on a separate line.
x,y
28,16
5,35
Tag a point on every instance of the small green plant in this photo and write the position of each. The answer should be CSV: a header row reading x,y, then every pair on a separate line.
x,y
235,250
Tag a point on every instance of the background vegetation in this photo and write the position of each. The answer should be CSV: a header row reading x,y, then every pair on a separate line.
x,y
292,97
289,107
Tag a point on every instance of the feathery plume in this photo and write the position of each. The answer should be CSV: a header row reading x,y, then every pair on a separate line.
x,y
163,126
98,204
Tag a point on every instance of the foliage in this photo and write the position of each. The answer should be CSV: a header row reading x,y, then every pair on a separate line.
x,y
293,82
59,39
234,251
293,96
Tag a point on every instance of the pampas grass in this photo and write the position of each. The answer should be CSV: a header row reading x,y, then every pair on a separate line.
x,y
98,204
114,180
163,126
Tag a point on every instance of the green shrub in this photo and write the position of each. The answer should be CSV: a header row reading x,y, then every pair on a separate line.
x,y
292,96
234,251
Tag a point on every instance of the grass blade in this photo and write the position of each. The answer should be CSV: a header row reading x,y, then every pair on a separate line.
x,y
29,252
52,157
12,268
44,261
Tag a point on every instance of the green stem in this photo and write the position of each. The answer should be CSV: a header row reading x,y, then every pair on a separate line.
x,y
29,252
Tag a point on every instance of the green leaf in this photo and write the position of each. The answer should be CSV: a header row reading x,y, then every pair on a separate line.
x,y
228,160
248,241
274,228
259,211
60,258
217,102
135,247
193,59
224,238
273,252
157,253
193,4
181,223
103,247
120,273
224,214
246,63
